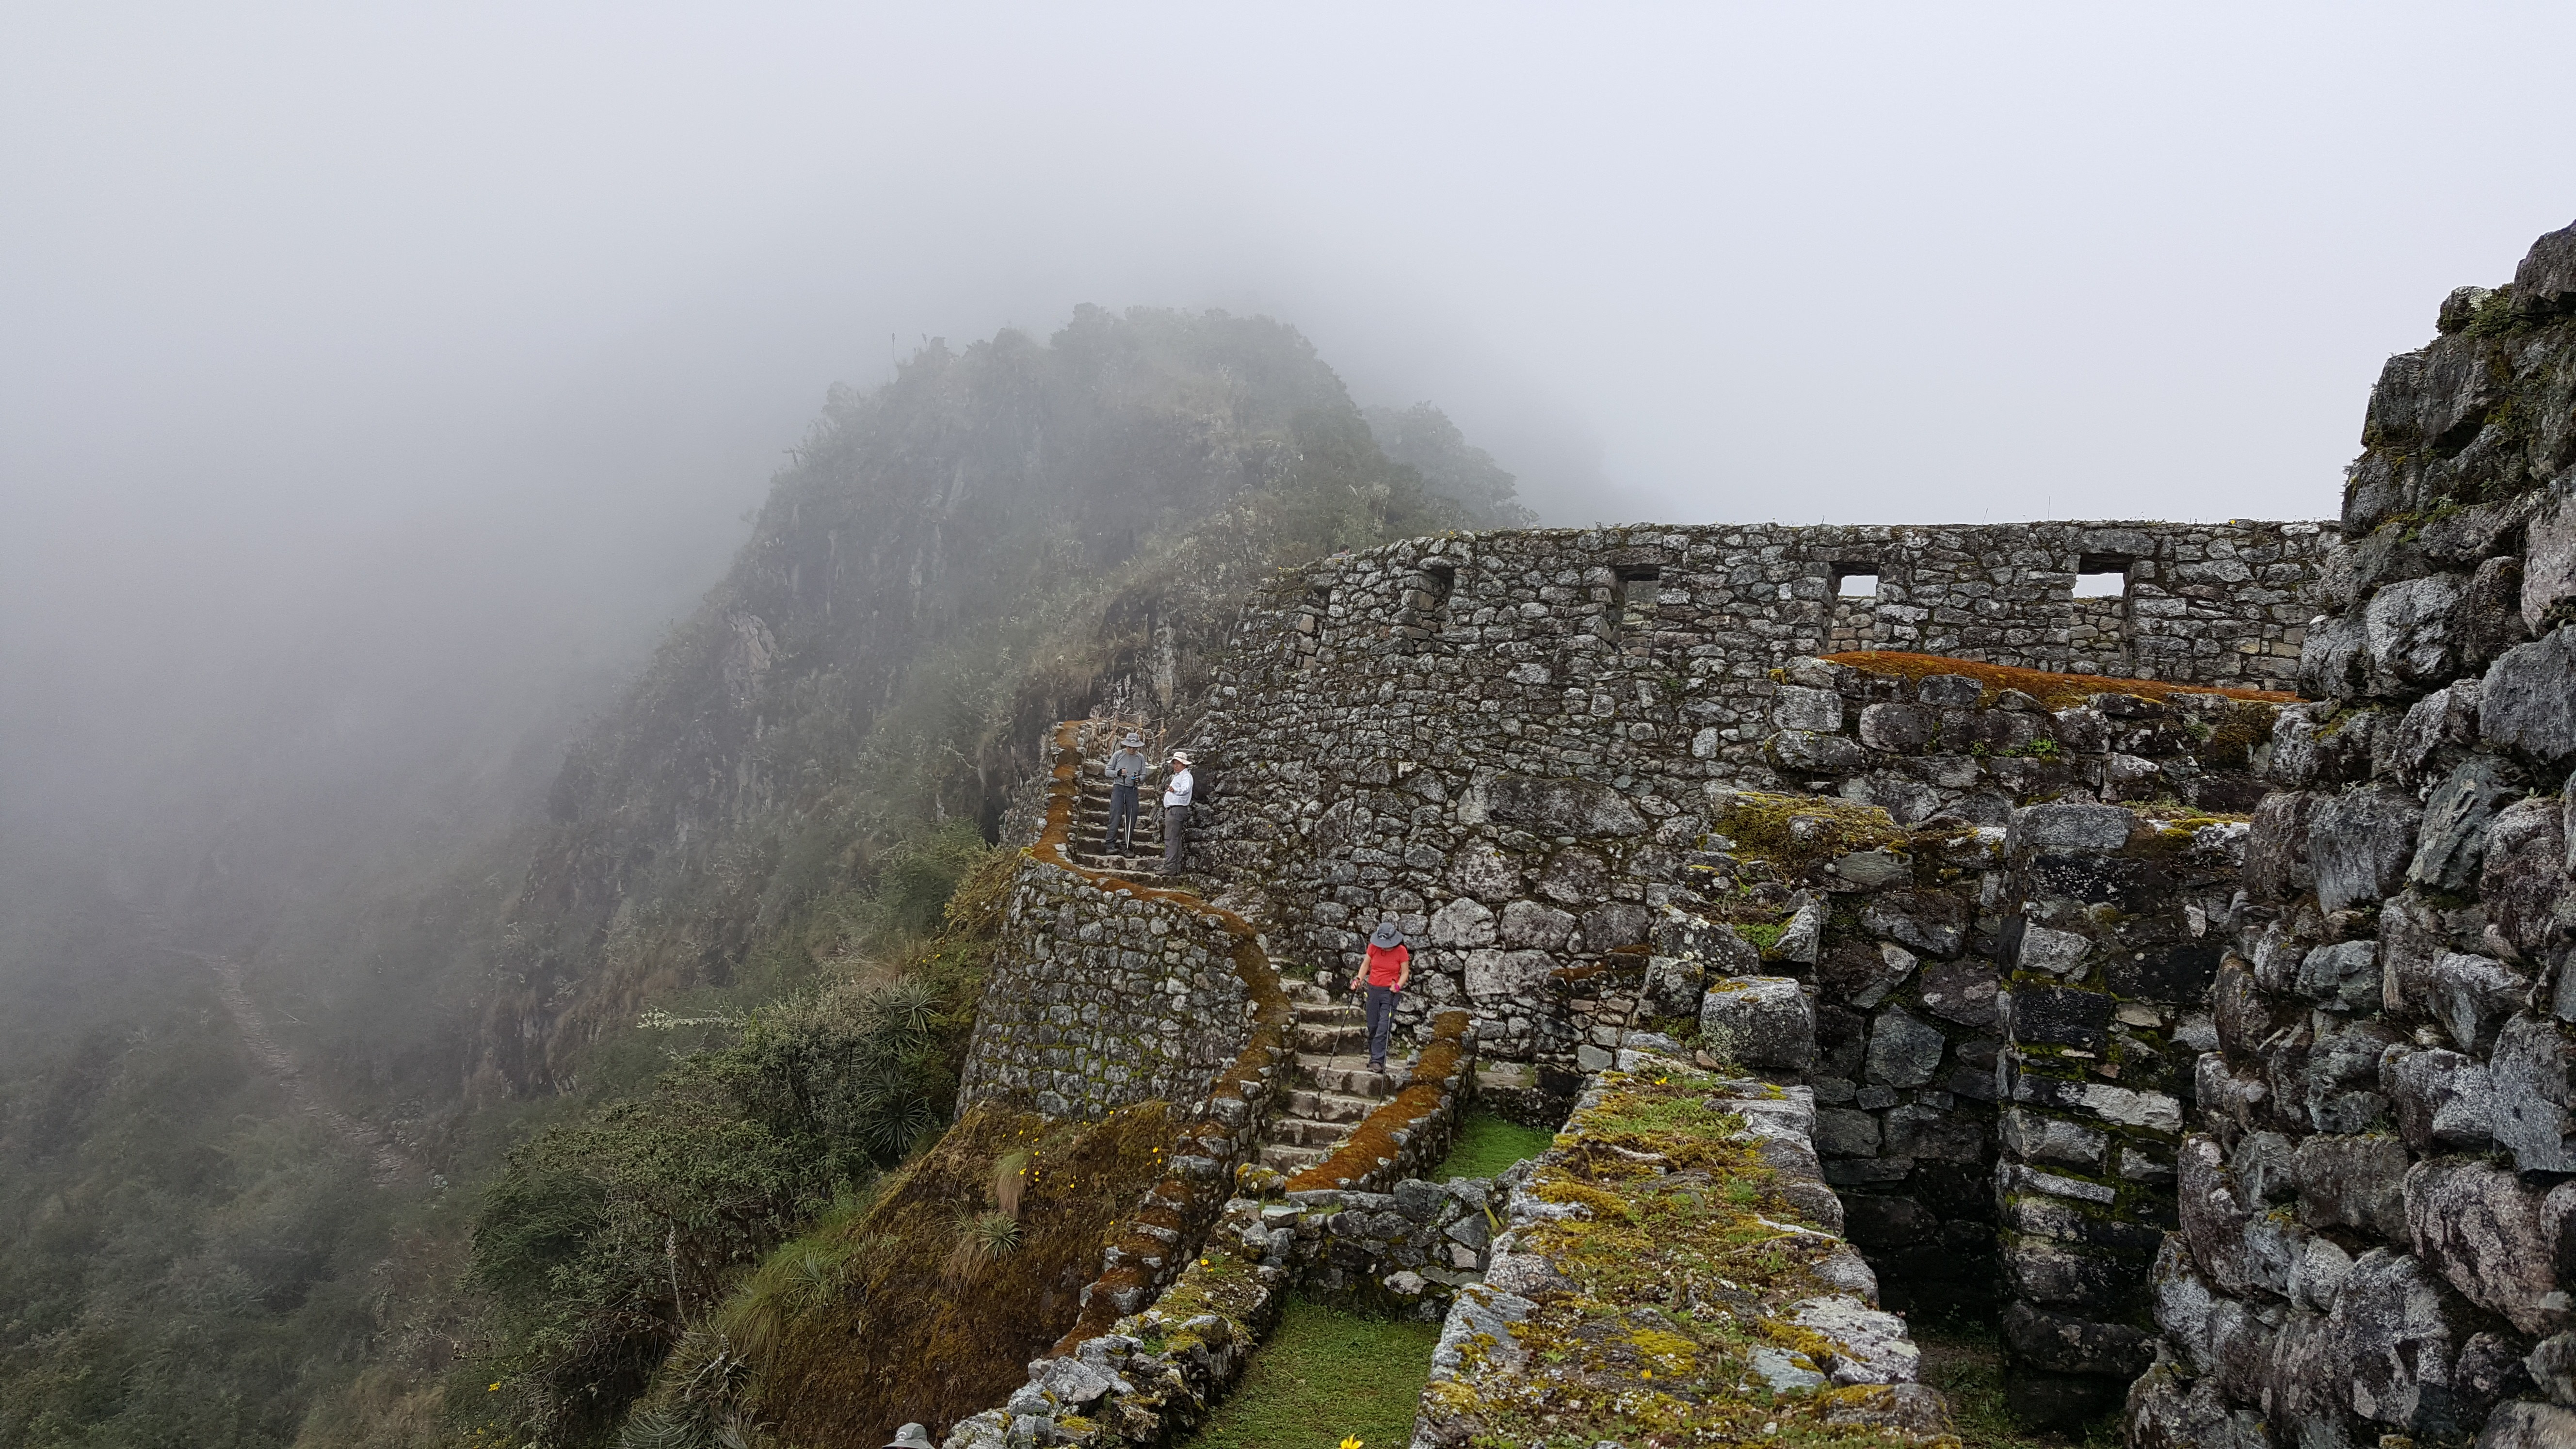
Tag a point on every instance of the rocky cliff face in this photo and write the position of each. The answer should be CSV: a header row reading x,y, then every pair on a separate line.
x,y
1000,538
2378,1209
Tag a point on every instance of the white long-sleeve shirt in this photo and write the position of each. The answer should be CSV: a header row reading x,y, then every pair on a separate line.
x,y
1177,791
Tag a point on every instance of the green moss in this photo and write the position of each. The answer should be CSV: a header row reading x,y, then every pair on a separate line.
x,y
1326,1375
1799,833
1486,1144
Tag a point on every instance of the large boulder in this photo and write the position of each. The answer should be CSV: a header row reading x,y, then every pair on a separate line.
x,y
2480,1228
2523,875
2471,996
1766,1020
1904,1050
2529,1070
2525,704
2277,867
2360,845
2549,560
2353,1181
2443,1100
1560,806
2453,841
2407,630
2392,1341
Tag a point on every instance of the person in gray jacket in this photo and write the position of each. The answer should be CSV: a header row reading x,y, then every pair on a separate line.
x,y
1127,770
1176,810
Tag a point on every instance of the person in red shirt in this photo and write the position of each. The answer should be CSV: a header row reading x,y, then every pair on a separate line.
x,y
1390,966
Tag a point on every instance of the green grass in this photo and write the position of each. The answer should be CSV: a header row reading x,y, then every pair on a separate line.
x,y
1487,1144
1965,1362
1324,1376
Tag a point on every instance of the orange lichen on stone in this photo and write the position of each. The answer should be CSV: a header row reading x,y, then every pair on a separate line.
x,y
1175,1204
2057,691
1435,1075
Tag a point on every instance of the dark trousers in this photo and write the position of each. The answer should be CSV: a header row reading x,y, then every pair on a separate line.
x,y
1175,825
1122,811
1381,1022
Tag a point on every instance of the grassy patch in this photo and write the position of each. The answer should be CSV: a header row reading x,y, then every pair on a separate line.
x,y
1486,1144
1325,1376
1965,1362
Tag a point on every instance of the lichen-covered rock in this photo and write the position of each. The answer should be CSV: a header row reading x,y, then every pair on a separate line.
x,y
2524,705
2360,845
2453,842
2389,1346
1766,1021
2480,1228
2529,1072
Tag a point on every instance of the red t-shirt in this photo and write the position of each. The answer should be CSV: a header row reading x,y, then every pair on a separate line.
x,y
1385,963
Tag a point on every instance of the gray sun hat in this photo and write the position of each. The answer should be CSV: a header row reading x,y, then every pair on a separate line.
x,y
1386,936
912,1436
1133,741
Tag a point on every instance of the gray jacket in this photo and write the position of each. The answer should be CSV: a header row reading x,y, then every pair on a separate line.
x,y
1129,767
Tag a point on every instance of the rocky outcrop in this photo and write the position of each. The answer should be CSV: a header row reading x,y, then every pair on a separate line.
x,y
2374,1196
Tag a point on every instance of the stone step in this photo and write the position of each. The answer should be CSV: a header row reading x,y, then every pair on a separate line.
x,y
1351,1074
1306,1132
1331,1039
1330,1013
1281,1157
1330,1106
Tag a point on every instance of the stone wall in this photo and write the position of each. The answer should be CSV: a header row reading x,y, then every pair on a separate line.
x,y
1103,997
2378,1197
1673,1271
1507,742
1103,992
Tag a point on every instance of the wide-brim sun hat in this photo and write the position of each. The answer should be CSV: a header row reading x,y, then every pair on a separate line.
x,y
1132,740
1181,755
911,1436
1386,936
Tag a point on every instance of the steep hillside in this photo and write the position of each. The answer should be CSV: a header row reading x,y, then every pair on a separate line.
x,y
995,540
732,868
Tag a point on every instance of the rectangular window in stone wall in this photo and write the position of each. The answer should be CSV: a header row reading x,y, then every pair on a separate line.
x,y
1634,604
1856,581
1438,579
2102,576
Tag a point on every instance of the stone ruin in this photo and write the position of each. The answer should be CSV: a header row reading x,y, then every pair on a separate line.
x,y
2213,1037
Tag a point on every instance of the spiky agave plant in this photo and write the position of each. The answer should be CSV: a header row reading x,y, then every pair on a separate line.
x,y
906,1008
987,1239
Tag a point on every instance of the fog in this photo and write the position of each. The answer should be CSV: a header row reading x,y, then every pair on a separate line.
x,y
376,382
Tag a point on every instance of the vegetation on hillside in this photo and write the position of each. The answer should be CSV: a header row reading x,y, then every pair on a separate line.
x,y
669,1026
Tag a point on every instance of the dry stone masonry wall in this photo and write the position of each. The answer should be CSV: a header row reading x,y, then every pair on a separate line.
x,y
1507,742
2378,1196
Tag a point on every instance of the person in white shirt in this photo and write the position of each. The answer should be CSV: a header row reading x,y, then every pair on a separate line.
x,y
1176,811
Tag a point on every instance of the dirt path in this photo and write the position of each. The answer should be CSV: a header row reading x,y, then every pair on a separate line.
x,y
386,1165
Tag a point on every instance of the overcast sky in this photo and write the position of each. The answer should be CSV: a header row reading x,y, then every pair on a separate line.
x,y
437,325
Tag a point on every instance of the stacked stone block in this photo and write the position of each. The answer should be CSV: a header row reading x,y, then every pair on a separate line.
x,y
2376,1202
2120,921
1954,745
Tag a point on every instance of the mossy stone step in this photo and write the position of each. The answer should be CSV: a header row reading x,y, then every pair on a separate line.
x,y
1331,1106
1306,1132
1351,1074
1281,1157
1330,1040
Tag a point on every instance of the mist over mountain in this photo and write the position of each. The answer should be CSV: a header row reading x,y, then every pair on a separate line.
x,y
1004,535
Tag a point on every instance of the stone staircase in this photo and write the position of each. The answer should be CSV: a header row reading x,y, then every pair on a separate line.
x,y
1333,1088
1091,815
